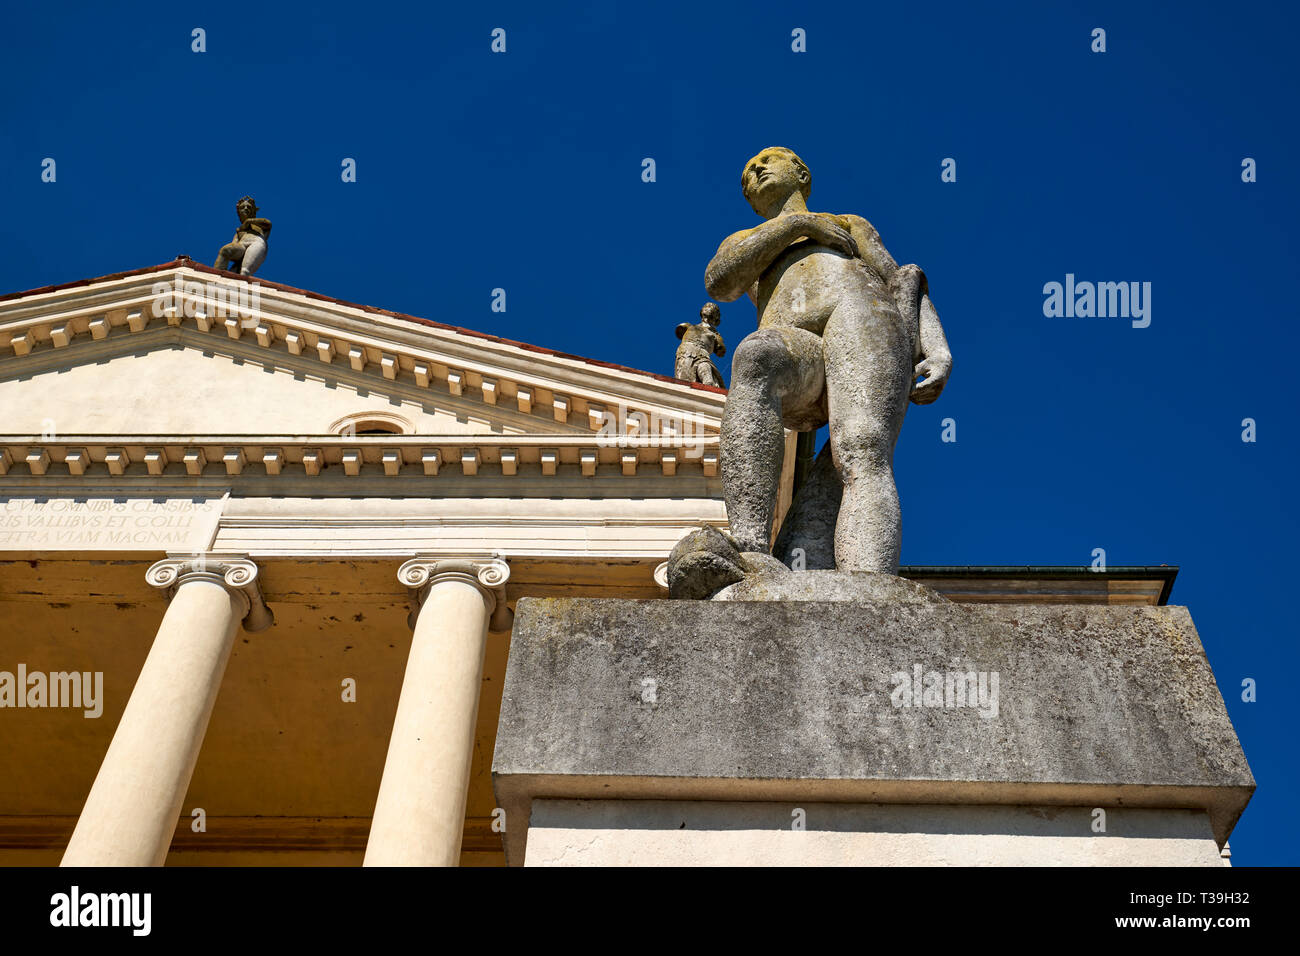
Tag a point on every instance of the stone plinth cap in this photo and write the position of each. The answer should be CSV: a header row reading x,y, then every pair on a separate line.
x,y
1095,706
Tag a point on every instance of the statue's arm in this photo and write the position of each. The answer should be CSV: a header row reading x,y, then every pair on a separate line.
x,y
744,256
934,344
936,358
871,247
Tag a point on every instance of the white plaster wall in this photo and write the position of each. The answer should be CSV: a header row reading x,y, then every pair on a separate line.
x,y
533,526
183,390
702,833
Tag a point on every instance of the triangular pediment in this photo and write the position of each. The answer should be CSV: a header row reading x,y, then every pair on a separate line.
x,y
182,349
174,381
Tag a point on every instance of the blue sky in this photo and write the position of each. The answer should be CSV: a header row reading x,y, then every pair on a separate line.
x,y
522,171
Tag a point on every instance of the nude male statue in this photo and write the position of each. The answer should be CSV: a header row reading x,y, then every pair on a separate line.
x,y
844,333
248,249
699,343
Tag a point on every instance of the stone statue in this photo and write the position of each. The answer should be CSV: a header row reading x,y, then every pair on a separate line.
x,y
699,343
247,250
844,334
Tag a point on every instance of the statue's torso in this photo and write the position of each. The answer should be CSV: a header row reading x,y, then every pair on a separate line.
x,y
253,229
804,284
699,339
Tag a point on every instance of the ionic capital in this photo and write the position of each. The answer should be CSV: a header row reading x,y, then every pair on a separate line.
x,y
234,572
488,574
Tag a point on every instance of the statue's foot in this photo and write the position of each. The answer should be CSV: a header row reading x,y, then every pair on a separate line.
x,y
758,564
708,560
703,563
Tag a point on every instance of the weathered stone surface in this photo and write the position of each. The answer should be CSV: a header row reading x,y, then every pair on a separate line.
x,y
828,586
808,532
843,335
756,700
702,563
707,560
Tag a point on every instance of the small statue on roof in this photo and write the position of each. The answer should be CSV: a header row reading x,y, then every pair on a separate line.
x,y
699,344
247,250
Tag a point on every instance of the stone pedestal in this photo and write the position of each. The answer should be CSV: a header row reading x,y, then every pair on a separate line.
x,y
865,732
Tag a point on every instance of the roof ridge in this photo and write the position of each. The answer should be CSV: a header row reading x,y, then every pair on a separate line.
x,y
188,263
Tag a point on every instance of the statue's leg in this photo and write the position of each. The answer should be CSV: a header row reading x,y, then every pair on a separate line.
x,y
708,374
254,254
807,537
776,374
230,254
868,379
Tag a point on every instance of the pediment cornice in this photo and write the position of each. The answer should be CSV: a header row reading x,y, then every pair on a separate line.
x,y
484,457
294,327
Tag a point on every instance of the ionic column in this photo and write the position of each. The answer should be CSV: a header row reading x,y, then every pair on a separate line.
x,y
131,813
420,812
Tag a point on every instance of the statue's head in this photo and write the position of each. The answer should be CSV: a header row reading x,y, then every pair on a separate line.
x,y
772,176
246,208
711,315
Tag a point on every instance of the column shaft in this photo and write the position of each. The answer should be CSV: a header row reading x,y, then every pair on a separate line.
x,y
420,812
131,813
